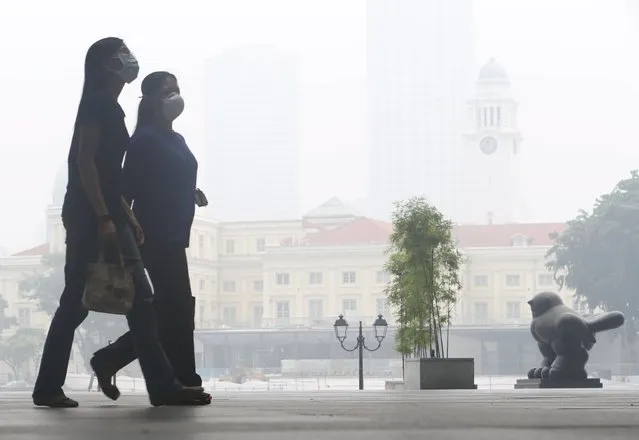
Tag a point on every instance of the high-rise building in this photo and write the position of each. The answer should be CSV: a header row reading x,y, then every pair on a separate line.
x,y
493,149
252,134
420,74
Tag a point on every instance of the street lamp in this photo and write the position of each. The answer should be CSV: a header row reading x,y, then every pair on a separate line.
x,y
380,326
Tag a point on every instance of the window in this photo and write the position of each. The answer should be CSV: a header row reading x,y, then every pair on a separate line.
x,y
228,286
201,245
316,278
229,316
202,312
499,116
513,310
381,307
283,279
258,285
513,280
287,241
258,313
202,285
481,312
545,279
382,277
480,281
260,244
349,277
520,241
349,307
24,317
230,247
316,309
283,310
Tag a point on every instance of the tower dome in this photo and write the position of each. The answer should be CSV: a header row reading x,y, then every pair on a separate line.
x,y
60,185
493,72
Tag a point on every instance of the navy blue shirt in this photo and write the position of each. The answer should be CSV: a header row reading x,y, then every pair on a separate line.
x,y
103,110
160,176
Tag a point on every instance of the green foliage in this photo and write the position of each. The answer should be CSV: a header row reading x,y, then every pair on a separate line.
x,y
45,288
598,254
20,348
6,322
424,264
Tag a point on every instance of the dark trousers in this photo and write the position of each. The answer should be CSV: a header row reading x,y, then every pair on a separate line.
x,y
142,320
168,269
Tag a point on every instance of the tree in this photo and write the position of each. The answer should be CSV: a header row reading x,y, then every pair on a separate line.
x,y
597,255
6,322
424,265
45,287
20,348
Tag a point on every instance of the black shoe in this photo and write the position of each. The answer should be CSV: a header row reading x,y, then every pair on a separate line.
x,y
59,401
192,380
184,396
104,376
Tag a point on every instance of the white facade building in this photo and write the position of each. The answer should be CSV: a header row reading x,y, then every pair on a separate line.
x,y
493,148
305,272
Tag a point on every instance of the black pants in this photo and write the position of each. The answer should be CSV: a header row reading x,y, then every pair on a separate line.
x,y
169,272
142,320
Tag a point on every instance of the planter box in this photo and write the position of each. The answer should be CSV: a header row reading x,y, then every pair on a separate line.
x,y
394,385
439,374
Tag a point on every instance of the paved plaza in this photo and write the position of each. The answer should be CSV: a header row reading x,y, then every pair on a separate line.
x,y
370,415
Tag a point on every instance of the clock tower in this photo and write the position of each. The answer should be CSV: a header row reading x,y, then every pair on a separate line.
x,y
492,150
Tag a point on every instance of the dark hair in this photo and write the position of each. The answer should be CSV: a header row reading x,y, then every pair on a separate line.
x,y
151,85
95,76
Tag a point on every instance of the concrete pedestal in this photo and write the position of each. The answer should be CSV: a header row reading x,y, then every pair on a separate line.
x,y
547,383
439,374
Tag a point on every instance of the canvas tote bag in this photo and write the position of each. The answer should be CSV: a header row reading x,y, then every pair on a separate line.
x,y
109,288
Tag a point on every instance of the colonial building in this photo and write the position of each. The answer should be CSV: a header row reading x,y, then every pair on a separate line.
x,y
305,272
290,279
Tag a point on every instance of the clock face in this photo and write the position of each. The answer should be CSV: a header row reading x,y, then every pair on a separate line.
x,y
488,145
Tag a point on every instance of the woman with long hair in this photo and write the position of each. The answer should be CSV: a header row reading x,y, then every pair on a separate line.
x,y
98,221
160,180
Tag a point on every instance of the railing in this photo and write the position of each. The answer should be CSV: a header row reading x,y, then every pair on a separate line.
x,y
283,323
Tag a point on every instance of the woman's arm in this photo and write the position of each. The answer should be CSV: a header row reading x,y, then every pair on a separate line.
x,y
88,141
137,164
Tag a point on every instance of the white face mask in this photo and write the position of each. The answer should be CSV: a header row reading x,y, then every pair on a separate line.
x,y
172,106
130,68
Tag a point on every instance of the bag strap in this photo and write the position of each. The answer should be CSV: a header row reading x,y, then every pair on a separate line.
x,y
101,259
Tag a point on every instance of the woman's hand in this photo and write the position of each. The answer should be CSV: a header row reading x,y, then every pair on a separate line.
x,y
200,198
137,230
133,222
109,243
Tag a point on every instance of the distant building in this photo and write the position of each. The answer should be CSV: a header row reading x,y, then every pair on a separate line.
x,y
420,74
252,135
305,272
296,275
268,285
492,151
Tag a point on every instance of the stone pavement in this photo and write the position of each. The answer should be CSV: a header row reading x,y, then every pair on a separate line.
x,y
475,415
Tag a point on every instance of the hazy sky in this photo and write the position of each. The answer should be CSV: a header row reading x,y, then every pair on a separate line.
x,y
574,66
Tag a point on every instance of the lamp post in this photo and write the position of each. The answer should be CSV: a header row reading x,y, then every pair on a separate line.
x,y
380,327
